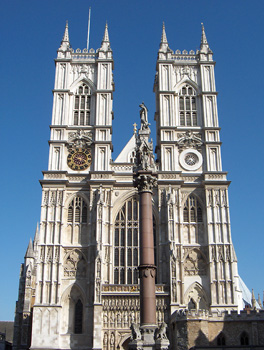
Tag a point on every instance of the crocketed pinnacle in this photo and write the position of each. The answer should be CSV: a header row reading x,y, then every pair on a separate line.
x,y
65,43
106,35
253,300
204,47
164,46
259,301
66,33
203,39
29,252
105,45
163,35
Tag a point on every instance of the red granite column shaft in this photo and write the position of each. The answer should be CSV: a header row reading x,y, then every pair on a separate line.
x,y
147,268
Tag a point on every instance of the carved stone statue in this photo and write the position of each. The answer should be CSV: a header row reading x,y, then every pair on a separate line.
x,y
161,331
143,117
136,334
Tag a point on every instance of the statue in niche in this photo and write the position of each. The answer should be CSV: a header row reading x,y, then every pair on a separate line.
x,y
112,339
144,117
105,339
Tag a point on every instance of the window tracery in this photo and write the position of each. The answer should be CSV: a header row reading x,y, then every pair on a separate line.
x,y
192,211
82,102
77,211
126,243
188,106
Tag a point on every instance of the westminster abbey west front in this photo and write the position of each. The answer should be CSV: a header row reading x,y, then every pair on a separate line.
x,y
79,284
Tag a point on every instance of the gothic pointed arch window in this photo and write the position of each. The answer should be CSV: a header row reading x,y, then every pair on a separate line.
x,y
191,305
187,106
77,211
244,339
78,317
126,243
192,210
221,341
82,104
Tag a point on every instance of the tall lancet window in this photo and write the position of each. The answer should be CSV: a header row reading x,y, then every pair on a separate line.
x,y
77,211
126,243
187,106
192,211
82,104
78,317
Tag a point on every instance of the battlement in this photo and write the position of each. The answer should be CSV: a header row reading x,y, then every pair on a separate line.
x,y
185,55
227,315
84,54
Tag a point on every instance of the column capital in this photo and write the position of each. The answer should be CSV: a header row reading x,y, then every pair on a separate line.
x,y
145,180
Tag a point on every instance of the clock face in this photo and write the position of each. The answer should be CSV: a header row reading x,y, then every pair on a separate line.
x,y
79,159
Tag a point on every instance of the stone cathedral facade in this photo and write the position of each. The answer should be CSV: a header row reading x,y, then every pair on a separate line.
x,y
79,286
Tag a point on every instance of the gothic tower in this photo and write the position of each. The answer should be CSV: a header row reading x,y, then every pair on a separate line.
x,y
79,285
193,189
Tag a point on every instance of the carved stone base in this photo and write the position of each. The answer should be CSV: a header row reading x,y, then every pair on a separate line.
x,y
149,338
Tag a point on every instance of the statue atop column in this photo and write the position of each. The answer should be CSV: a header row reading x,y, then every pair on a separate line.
x,y
144,148
144,117
146,335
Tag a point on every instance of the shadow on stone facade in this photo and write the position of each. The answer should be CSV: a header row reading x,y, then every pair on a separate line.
x,y
201,330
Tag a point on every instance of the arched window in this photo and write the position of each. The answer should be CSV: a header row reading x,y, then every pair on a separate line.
x,y
244,339
221,339
191,305
126,243
77,211
192,211
78,317
187,106
82,102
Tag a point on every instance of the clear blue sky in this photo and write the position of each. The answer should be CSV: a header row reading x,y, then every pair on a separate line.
x,y
31,32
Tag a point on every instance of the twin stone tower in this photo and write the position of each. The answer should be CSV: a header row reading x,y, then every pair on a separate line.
x,y
126,249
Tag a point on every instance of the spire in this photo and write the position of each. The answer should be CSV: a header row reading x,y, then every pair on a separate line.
x,y
65,43
106,35
203,39
66,33
163,35
164,46
29,252
205,53
105,45
253,300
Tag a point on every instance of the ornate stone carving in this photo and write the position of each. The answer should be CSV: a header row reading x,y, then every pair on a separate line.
x,y
135,330
185,71
194,263
161,331
75,264
147,271
144,149
189,140
79,139
52,198
145,182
